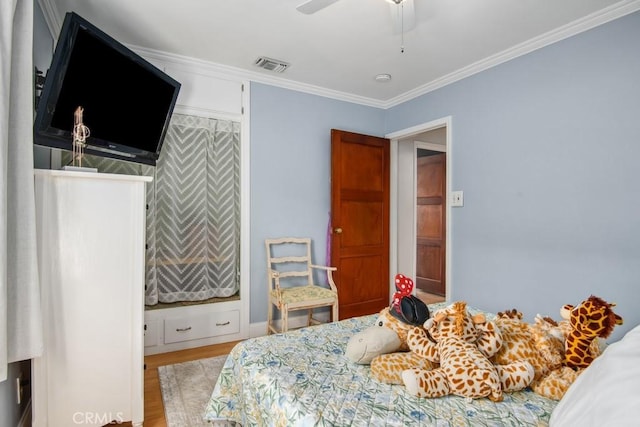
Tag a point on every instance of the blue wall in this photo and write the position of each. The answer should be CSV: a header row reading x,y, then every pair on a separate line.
x,y
547,150
290,170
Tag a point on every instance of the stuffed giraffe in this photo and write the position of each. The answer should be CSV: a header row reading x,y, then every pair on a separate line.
x,y
591,319
387,367
462,344
384,345
520,342
542,345
544,342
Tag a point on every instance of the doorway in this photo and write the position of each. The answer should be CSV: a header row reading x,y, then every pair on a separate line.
x,y
430,214
406,147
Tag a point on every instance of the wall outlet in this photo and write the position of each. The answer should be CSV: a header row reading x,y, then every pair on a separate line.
x,y
457,198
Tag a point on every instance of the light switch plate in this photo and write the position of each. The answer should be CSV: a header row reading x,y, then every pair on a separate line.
x,y
457,198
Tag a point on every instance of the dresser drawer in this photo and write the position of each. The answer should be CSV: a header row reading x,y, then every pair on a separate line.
x,y
201,326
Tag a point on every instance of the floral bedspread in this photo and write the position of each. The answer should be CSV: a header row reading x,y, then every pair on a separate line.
x,y
302,378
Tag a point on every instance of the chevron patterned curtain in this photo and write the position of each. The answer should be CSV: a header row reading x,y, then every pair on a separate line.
x,y
107,165
193,221
193,210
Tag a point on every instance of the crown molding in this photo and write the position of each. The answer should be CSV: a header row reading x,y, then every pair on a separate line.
x,y
242,74
618,10
578,26
53,21
54,24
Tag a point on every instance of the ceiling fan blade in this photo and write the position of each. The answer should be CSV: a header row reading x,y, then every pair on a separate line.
x,y
312,6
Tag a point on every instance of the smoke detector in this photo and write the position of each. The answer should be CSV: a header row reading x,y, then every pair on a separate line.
x,y
270,64
383,78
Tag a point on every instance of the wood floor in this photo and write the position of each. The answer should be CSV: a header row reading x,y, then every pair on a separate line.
x,y
153,407
429,298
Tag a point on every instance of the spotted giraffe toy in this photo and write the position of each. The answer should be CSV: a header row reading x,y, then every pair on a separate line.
x,y
541,344
591,319
462,344
384,345
387,367
545,342
520,341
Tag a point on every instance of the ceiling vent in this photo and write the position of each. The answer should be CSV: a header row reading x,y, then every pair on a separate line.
x,y
269,64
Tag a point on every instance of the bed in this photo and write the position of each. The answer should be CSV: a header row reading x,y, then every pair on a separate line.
x,y
302,378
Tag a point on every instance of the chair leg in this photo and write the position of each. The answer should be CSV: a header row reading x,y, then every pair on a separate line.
x,y
334,312
309,316
269,318
285,319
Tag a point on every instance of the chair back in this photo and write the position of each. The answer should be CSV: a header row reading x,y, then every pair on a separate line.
x,y
289,261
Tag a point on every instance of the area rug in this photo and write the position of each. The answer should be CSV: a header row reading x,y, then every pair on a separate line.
x,y
186,389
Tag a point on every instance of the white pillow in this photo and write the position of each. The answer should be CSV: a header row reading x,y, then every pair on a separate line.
x,y
607,393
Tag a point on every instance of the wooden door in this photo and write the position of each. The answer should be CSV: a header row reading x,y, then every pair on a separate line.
x,y
430,223
360,221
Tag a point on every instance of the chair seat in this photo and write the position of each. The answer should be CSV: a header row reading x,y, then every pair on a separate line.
x,y
303,293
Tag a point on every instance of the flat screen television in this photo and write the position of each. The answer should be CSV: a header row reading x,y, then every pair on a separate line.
x,y
127,101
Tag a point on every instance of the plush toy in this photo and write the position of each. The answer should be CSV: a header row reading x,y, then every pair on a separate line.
x,y
558,351
533,343
405,306
549,336
542,345
386,336
462,344
593,318
384,345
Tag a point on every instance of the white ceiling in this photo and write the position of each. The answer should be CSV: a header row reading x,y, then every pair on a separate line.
x,y
339,50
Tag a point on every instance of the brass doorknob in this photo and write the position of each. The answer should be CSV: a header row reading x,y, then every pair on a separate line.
x,y
337,230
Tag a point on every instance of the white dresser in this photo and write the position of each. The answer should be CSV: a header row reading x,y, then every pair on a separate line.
x,y
91,239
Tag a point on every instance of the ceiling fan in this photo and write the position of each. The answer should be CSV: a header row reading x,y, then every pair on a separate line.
x,y
312,6
402,12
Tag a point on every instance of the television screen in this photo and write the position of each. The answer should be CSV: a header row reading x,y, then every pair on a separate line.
x,y
127,101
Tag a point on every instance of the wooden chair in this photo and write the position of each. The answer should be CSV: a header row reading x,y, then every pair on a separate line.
x,y
291,282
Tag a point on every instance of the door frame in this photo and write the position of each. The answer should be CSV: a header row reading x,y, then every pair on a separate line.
x,y
395,138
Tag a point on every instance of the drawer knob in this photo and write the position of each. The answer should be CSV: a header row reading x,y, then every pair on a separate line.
x,y
183,329
223,324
